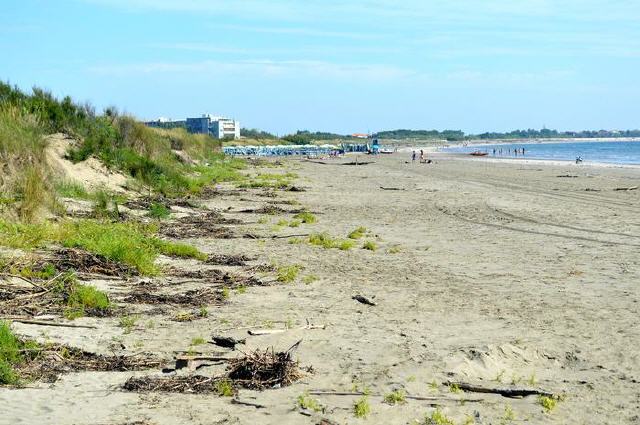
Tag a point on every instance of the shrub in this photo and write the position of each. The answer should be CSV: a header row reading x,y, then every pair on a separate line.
x,y
158,210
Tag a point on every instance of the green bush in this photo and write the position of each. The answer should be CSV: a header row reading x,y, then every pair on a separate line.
x,y
159,211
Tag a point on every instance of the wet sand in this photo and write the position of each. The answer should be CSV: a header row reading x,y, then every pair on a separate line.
x,y
493,273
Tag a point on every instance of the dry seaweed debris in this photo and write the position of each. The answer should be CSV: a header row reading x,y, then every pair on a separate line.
x,y
55,296
72,259
47,362
229,260
194,298
196,384
200,225
271,209
259,370
216,278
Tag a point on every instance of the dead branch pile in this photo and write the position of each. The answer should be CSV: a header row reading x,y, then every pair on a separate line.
x,y
52,297
200,225
271,209
196,384
147,202
72,259
228,260
264,369
216,277
259,370
212,192
194,298
47,363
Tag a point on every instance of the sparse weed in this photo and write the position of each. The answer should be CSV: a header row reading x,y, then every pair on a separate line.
x,y
358,233
370,245
305,401
395,397
437,417
295,223
396,249
362,408
288,274
310,278
241,289
158,211
500,376
548,403
532,379
454,388
225,292
509,414
72,189
127,323
224,388
198,341
203,312
306,217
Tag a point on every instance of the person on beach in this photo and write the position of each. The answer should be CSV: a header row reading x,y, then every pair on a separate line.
x,y
421,156
413,156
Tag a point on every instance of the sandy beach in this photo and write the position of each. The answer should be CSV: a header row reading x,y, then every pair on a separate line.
x,y
496,274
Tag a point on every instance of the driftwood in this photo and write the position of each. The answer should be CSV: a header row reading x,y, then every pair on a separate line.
x,y
247,403
392,188
408,397
256,332
364,300
47,323
505,392
626,188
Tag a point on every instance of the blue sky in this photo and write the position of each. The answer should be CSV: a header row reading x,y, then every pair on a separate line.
x,y
343,66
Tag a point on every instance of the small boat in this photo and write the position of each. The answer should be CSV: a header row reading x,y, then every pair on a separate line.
x,y
386,151
479,153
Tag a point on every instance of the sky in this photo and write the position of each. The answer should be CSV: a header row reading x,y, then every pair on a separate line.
x,y
337,65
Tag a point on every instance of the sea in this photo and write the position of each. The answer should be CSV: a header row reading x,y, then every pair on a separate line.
x,y
625,152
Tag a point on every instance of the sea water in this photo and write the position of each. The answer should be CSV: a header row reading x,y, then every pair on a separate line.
x,y
606,152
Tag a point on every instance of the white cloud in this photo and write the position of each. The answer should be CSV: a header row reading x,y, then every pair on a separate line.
x,y
269,68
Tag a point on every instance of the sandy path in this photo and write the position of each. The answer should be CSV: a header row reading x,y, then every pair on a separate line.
x,y
506,272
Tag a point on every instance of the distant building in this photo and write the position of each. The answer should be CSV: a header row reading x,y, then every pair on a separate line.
x,y
216,127
360,136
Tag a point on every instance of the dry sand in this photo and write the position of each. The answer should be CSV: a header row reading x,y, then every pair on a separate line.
x,y
506,273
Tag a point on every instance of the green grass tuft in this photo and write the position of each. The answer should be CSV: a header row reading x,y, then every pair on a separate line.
x,y
310,278
159,211
548,403
224,388
306,217
395,397
305,401
370,246
288,274
358,233
438,418
362,408
72,189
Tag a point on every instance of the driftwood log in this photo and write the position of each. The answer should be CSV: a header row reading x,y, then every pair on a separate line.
x,y
505,392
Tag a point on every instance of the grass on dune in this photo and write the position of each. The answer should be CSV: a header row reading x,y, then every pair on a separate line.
x,y
325,241
13,352
133,244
